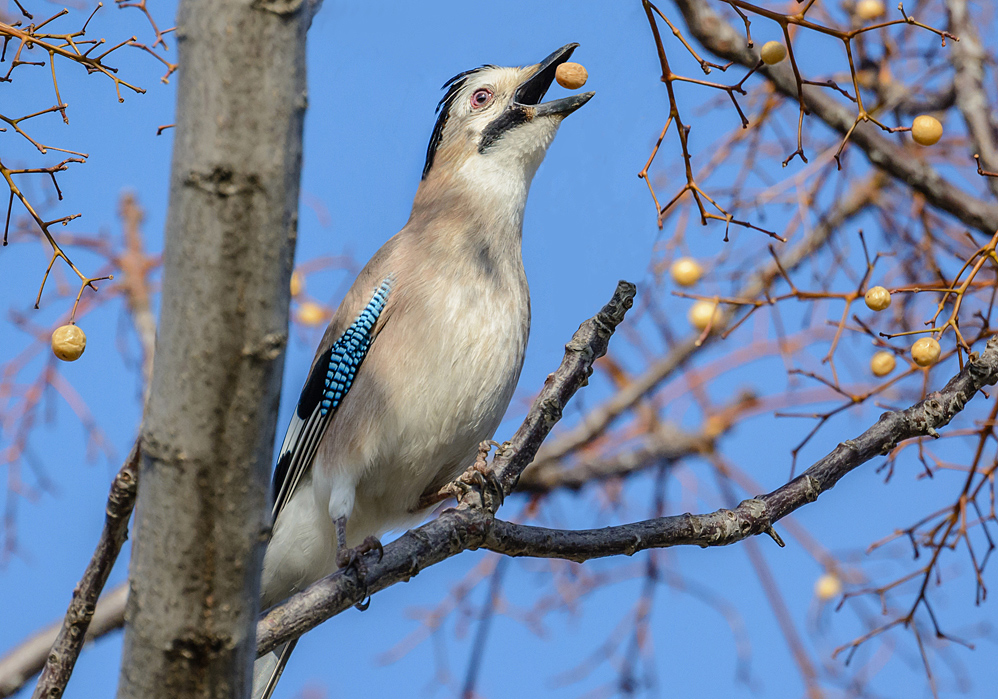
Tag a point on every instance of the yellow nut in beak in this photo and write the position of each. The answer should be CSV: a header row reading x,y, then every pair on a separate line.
x,y
571,75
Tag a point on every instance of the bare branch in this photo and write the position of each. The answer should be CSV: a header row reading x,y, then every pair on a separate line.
x,y
472,526
27,659
68,644
719,37
665,443
756,515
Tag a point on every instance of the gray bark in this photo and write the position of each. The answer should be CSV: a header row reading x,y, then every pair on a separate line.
x,y
201,519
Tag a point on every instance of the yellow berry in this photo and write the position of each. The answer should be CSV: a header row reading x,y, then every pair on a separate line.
x,y
571,75
311,314
297,283
703,313
926,130
926,351
773,52
686,271
827,587
882,363
878,298
68,343
869,9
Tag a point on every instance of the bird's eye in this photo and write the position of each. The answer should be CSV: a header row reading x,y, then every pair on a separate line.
x,y
481,98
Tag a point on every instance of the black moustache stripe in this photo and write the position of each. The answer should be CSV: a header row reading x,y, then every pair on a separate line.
x,y
514,115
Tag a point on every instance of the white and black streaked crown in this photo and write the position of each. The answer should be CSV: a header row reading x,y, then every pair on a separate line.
x,y
453,87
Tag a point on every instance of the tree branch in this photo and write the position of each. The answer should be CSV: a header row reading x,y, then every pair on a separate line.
x,y
756,515
721,39
69,642
27,659
587,345
665,443
471,525
599,419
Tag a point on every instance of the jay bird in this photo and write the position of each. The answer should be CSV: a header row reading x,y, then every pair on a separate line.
x,y
420,360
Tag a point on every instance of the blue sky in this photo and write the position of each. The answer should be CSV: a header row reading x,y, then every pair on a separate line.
x,y
374,76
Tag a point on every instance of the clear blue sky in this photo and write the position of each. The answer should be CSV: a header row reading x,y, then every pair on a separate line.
x,y
374,75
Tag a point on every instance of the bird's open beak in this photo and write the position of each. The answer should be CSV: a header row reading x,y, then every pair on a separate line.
x,y
532,91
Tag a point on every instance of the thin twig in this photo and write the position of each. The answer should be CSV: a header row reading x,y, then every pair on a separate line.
x,y
66,649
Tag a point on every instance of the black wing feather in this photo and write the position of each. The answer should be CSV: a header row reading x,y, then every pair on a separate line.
x,y
331,377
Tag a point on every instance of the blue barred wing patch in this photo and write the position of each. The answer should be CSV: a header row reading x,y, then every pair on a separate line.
x,y
349,351
332,376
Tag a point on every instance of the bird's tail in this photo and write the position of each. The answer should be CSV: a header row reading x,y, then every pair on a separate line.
x,y
268,668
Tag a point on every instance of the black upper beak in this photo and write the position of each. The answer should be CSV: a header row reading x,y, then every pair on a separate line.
x,y
532,91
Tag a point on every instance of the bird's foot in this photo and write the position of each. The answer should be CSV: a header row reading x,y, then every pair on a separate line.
x,y
352,559
483,454
480,480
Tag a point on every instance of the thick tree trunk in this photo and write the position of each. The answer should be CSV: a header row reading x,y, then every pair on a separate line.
x,y
208,434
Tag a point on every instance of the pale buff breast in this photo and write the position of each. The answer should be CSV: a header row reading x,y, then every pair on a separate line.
x,y
454,375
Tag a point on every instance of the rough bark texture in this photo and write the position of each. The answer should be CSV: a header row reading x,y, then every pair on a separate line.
x,y
201,519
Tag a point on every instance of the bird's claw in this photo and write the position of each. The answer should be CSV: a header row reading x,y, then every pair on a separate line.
x,y
353,559
374,544
483,453
480,479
